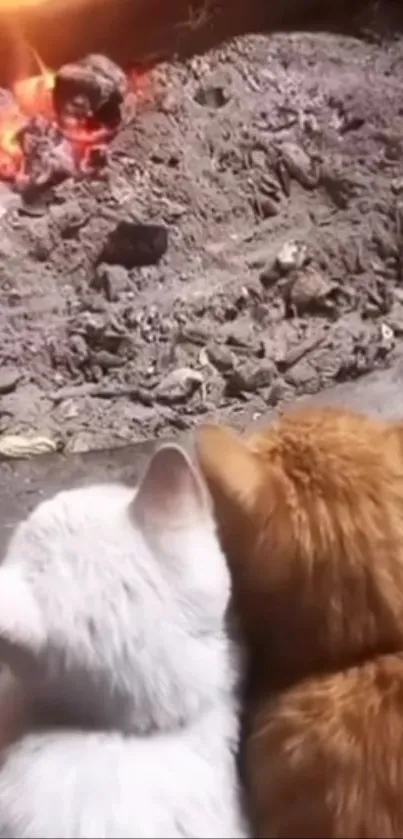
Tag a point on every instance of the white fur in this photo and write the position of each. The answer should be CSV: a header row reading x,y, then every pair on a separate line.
x,y
133,591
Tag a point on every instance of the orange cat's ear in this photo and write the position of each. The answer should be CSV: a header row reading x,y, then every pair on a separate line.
x,y
229,467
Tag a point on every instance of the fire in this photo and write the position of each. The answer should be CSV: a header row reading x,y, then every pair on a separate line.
x,y
34,95
31,105
29,97
11,156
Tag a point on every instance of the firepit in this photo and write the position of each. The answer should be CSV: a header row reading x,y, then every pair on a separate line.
x,y
241,245
55,125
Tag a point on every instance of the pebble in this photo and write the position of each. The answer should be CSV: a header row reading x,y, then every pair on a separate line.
x,y
308,290
220,357
302,375
299,165
395,319
17,447
280,391
249,377
106,360
387,338
112,280
179,385
291,256
9,378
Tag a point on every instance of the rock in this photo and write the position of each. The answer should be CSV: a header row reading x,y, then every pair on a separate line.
x,y
309,291
269,276
9,378
299,165
291,257
395,319
387,341
111,280
303,376
249,377
280,391
220,357
265,206
106,360
17,447
268,206
179,385
133,245
78,348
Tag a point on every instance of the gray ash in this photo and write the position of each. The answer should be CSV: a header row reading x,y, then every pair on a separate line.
x,y
48,156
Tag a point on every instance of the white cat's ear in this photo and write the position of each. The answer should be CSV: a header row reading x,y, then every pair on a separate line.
x,y
22,628
171,493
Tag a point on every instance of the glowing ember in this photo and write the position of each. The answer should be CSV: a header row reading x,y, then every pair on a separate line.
x,y
51,124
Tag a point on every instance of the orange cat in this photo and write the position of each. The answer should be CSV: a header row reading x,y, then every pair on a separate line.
x,y
311,517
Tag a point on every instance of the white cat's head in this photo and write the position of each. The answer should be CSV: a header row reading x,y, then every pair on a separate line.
x,y
113,600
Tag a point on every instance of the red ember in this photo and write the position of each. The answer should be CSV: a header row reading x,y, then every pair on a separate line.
x,y
80,105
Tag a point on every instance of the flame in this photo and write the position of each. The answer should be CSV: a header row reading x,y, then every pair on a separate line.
x,y
11,157
33,97
30,97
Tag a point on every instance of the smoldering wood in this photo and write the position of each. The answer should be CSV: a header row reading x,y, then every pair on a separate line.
x,y
87,101
91,91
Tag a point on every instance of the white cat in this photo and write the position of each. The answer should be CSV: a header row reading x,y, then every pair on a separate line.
x,y
113,606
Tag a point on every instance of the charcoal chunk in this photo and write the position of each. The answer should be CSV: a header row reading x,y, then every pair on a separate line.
x,y
90,91
132,245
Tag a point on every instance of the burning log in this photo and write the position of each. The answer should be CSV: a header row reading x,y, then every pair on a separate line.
x,y
53,126
90,92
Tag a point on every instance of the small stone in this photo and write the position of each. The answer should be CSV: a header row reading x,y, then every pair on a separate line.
x,y
299,165
79,348
179,385
106,360
268,207
258,158
279,392
291,256
134,245
397,186
270,276
220,357
9,378
69,409
20,447
387,338
112,280
309,291
395,319
302,375
249,378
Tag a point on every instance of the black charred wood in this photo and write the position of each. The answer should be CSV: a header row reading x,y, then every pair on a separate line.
x,y
91,91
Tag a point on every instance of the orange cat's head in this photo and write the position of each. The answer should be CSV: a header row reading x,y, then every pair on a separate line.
x,y
310,514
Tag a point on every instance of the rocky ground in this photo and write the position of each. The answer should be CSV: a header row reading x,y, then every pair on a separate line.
x,y
269,175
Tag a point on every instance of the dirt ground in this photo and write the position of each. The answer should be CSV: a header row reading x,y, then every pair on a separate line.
x,y
275,166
